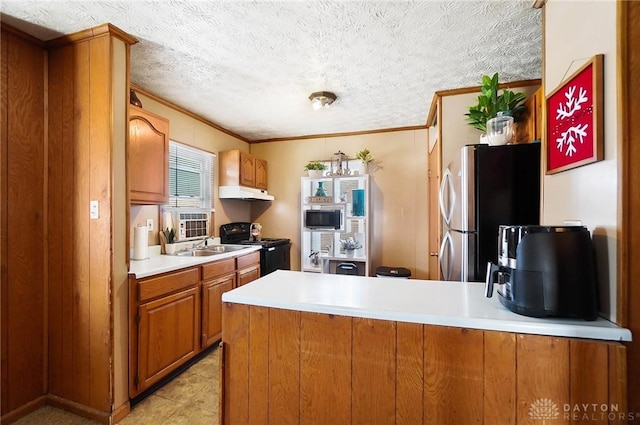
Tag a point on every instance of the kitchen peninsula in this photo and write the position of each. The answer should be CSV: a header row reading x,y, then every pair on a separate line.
x,y
314,348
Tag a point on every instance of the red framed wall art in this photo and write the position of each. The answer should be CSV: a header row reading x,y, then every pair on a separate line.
x,y
575,119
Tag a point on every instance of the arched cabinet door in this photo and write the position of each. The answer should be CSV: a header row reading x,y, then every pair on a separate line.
x,y
148,162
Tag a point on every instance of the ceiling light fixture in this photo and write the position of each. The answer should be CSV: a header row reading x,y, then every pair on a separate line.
x,y
322,99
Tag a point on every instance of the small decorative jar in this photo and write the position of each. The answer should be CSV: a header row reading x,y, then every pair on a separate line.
x,y
320,191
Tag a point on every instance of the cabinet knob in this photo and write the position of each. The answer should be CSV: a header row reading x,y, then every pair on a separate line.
x,y
433,254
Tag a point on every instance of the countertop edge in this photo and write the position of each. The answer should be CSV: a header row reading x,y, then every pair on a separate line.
x,y
162,263
585,332
491,315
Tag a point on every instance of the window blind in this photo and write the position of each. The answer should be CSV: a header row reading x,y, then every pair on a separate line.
x,y
190,177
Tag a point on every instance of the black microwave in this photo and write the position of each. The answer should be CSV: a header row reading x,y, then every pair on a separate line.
x,y
322,219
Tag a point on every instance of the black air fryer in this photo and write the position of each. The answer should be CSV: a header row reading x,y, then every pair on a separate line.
x,y
545,271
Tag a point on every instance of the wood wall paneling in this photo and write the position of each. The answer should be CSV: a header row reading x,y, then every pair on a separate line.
x,y
23,209
499,378
355,370
79,154
55,251
543,368
99,259
589,372
325,369
81,178
235,334
61,218
618,390
629,204
284,367
409,373
453,375
259,365
373,404
4,169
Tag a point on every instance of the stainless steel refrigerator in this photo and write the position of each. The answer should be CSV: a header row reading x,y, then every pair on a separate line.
x,y
484,187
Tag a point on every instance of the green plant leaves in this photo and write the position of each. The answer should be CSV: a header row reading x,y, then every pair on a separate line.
x,y
315,165
170,235
490,103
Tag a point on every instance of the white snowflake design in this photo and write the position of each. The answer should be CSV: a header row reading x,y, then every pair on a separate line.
x,y
566,110
572,105
569,137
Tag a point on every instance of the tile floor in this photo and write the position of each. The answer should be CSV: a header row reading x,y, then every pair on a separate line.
x,y
189,399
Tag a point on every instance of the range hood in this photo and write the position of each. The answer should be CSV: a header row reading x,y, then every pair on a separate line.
x,y
242,192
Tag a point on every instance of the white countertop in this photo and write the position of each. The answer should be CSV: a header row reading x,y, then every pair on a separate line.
x,y
408,300
159,263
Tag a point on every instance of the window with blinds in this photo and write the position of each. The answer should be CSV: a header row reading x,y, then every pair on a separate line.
x,y
190,177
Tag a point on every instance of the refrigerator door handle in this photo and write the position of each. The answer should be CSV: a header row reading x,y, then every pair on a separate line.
x,y
446,262
446,185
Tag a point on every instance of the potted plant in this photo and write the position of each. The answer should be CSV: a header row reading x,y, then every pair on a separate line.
x,y
170,238
315,168
365,158
490,103
349,245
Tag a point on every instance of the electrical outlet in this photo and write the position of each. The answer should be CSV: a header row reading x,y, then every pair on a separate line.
x,y
150,224
94,210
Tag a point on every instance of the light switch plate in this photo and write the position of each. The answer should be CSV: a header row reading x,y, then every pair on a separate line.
x,y
94,210
150,224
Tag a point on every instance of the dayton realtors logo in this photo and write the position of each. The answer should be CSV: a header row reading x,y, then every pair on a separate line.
x,y
545,410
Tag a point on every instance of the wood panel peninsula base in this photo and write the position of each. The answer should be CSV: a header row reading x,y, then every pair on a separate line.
x,y
286,365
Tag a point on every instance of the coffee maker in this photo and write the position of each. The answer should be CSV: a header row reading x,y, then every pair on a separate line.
x,y
545,271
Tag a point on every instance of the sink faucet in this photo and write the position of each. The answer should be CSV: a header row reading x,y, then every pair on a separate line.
x,y
204,242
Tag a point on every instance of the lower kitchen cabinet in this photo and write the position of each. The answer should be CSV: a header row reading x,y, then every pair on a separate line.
x,y
167,336
164,322
212,307
218,277
248,275
174,316
248,268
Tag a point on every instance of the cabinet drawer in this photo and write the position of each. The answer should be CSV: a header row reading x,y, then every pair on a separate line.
x,y
168,283
249,259
248,275
218,268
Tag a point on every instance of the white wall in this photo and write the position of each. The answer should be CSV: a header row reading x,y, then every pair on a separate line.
x,y
574,32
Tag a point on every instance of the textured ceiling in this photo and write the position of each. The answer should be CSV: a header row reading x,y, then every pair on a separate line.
x,y
249,66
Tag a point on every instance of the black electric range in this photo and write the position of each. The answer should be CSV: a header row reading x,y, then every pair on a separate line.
x,y
275,252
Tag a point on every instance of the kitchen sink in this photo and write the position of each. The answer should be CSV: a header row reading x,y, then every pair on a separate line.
x,y
209,250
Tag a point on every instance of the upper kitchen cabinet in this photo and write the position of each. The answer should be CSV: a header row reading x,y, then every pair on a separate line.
x,y
241,168
261,173
148,157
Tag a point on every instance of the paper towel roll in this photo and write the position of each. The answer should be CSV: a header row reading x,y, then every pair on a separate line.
x,y
167,221
140,242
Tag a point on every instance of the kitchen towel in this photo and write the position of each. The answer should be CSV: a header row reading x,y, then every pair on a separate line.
x,y
140,242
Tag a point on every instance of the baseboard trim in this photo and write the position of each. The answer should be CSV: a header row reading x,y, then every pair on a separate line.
x,y
24,410
121,412
79,409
